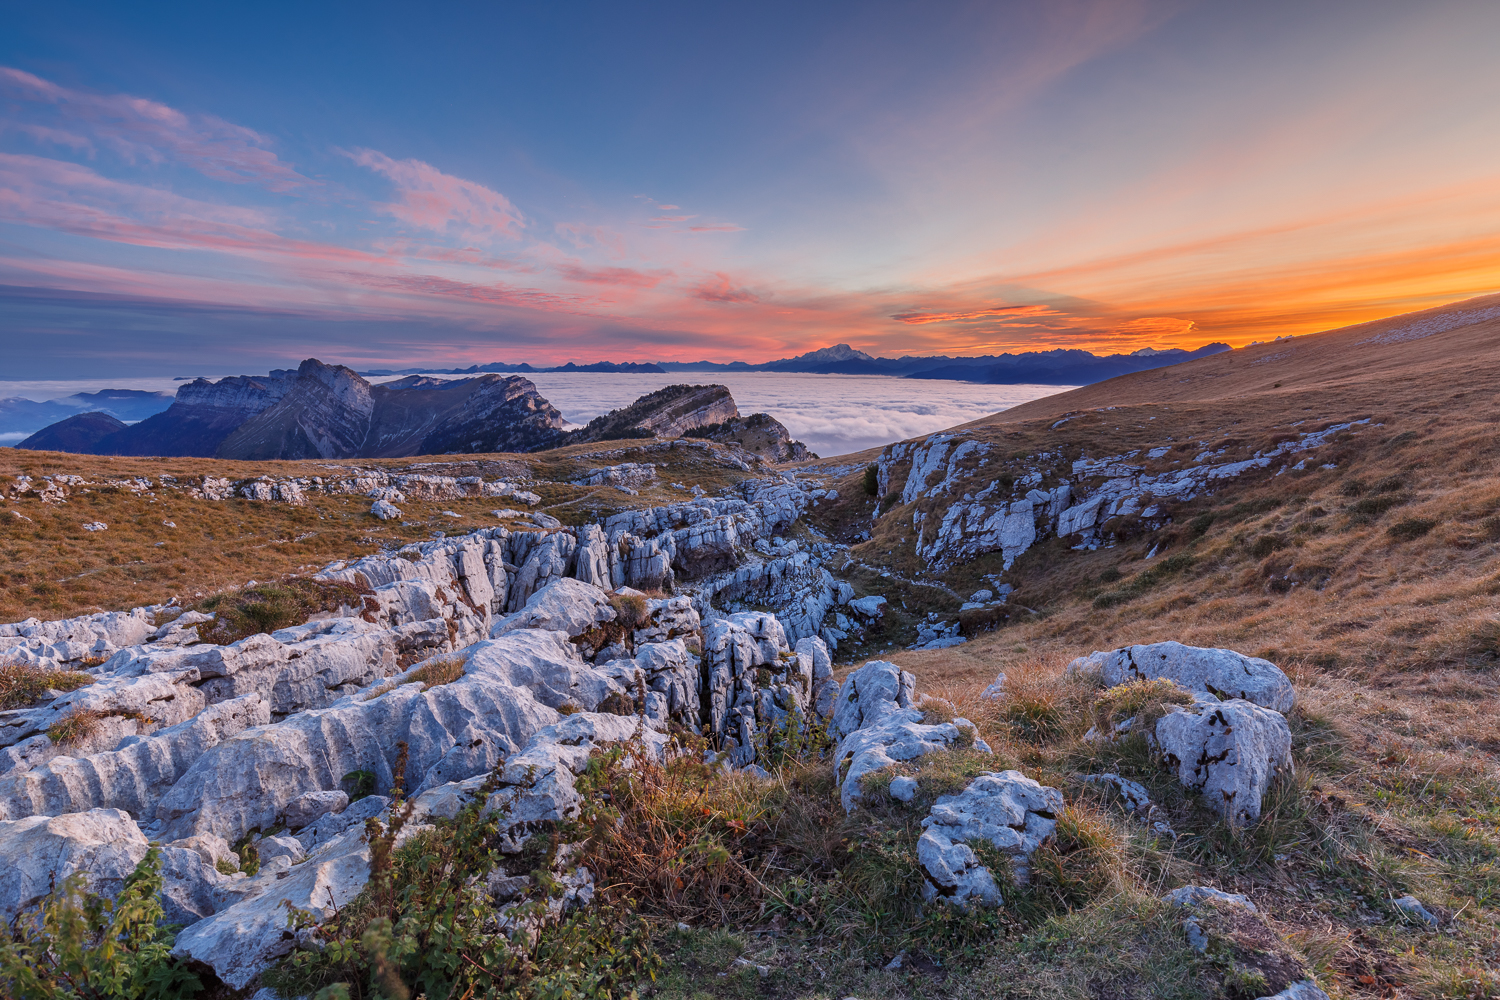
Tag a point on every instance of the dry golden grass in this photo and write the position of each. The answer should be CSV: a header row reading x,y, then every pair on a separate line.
x,y
53,568
22,684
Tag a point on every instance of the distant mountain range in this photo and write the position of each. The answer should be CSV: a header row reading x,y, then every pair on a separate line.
x,y
329,411
18,415
1058,367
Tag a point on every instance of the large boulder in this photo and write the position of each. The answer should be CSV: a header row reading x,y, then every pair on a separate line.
x,y
1009,810
564,605
1222,673
1229,751
40,851
892,738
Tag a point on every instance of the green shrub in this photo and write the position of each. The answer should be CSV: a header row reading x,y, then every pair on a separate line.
x,y
1199,525
417,929
1110,575
80,946
872,480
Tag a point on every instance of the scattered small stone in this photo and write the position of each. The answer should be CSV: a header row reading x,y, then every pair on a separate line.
x,y
903,789
545,521
1413,907
449,513
95,526
1192,895
385,510
1304,990
897,962
996,690
507,512
170,524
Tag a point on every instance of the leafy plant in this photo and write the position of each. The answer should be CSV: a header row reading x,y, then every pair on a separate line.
x,y
81,945
424,925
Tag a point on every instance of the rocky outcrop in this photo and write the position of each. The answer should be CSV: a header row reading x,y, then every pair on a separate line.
x,y
971,500
667,413
201,417
877,726
103,844
760,435
1228,751
1012,812
1222,673
324,414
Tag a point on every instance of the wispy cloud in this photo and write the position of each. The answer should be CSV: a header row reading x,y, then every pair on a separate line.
x,y
138,129
430,199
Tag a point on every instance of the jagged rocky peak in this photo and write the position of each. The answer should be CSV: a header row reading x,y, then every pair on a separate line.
x,y
493,413
760,434
324,414
201,417
667,413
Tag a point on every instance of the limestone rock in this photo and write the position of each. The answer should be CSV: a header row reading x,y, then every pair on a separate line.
x,y
1192,895
898,735
385,510
104,844
1011,811
132,778
868,693
1305,989
564,605
903,789
1228,751
241,940
1222,673
306,808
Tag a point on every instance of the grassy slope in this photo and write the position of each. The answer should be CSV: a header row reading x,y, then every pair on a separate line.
x,y
1392,636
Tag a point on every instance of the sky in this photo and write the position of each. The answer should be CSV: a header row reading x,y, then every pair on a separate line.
x,y
238,187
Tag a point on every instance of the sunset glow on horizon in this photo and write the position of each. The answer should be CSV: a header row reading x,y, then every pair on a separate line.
x,y
495,184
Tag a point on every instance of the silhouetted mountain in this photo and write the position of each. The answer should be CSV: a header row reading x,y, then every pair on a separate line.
x,y
1060,367
28,415
201,417
78,433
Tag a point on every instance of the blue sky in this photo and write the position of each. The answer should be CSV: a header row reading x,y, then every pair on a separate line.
x,y
375,184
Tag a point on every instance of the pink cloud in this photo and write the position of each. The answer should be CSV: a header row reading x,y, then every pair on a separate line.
x,y
668,208
431,199
722,289
70,198
140,129
619,276
672,218
720,228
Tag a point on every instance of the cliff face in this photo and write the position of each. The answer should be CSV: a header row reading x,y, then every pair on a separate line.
x,y
760,434
325,414
497,414
670,412
329,411
201,417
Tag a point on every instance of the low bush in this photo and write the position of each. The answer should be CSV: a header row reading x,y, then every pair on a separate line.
x,y
1144,700
417,930
23,684
1410,528
77,725
267,607
81,946
872,480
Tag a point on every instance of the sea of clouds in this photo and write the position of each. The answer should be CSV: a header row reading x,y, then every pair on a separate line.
x,y
831,414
